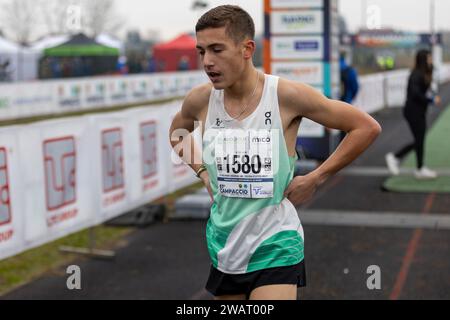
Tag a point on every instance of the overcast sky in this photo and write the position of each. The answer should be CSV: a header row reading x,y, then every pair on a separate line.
x,y
171,17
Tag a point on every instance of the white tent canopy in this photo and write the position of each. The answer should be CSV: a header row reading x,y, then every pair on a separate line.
x,y
48,42
110,41
56,40
23,63
8,46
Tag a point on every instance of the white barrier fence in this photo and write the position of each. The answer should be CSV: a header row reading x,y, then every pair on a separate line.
x,y
19,100
59,177
388,89
60,96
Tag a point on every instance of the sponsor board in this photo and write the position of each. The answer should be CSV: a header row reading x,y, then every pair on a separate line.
x,y
139,89
296,4
60,172
95,93
300,22
300,47
308,72
118,91
60,179
69,95
112,167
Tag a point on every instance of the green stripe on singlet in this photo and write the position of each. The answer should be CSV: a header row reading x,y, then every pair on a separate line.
x,y
282,249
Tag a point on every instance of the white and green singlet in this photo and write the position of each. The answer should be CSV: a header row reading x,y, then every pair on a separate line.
x,y
252,226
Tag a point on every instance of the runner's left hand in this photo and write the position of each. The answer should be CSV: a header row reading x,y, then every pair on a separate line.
x,y
301,189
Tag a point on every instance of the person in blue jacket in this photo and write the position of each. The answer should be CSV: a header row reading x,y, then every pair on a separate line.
x,y
349,81
349,84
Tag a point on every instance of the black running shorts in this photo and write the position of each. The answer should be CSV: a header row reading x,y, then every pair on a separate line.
x,y
220,283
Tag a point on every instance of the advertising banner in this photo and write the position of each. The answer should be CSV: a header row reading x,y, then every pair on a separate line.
x,y
296,22
307,47
11,220
55,172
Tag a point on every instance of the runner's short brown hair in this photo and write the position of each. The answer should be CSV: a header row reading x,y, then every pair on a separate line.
x,y
239,24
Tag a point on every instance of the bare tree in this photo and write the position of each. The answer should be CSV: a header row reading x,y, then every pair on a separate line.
x,y
22,19
53,14
100,16
19,19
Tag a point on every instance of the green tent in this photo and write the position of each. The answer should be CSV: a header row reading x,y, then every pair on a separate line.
x,y
79,57
81,46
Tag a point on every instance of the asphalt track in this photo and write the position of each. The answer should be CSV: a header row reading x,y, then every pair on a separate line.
x,y
170,260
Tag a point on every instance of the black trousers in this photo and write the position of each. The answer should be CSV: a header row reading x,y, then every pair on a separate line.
x,y
417,125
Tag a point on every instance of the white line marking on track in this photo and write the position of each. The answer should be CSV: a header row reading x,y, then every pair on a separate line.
x,y
375,219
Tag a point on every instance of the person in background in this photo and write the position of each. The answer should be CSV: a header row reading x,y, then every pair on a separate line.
x,y
418,97
5,72
349,81
349,84
183,64
151,67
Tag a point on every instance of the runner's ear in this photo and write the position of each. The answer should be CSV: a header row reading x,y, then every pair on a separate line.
x,y
248,48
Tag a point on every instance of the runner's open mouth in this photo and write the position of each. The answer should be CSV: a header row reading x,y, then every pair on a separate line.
x,y
214,75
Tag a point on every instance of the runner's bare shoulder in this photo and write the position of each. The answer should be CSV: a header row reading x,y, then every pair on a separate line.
x,y
196,101
293,96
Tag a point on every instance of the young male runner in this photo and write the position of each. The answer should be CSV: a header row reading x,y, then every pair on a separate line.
x,y
250,122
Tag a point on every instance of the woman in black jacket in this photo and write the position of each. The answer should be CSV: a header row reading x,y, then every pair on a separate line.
x,y
418,97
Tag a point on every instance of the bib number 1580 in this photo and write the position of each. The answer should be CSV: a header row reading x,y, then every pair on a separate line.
x,y
243,164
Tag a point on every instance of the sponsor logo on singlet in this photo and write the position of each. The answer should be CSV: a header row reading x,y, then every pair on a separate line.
x,y
242,190
268,116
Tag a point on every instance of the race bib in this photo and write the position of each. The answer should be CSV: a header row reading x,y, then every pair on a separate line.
x,y
244,162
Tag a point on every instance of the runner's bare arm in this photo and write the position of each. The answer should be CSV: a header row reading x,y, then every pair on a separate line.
x,y
305,101
184,122
193,109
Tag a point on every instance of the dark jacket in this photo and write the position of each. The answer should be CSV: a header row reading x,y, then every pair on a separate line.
x,y
349,82
416,98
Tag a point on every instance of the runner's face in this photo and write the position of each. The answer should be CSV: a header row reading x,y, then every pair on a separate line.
x,y
222,59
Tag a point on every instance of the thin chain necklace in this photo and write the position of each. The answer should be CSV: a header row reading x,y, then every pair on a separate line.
x,y
253,93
